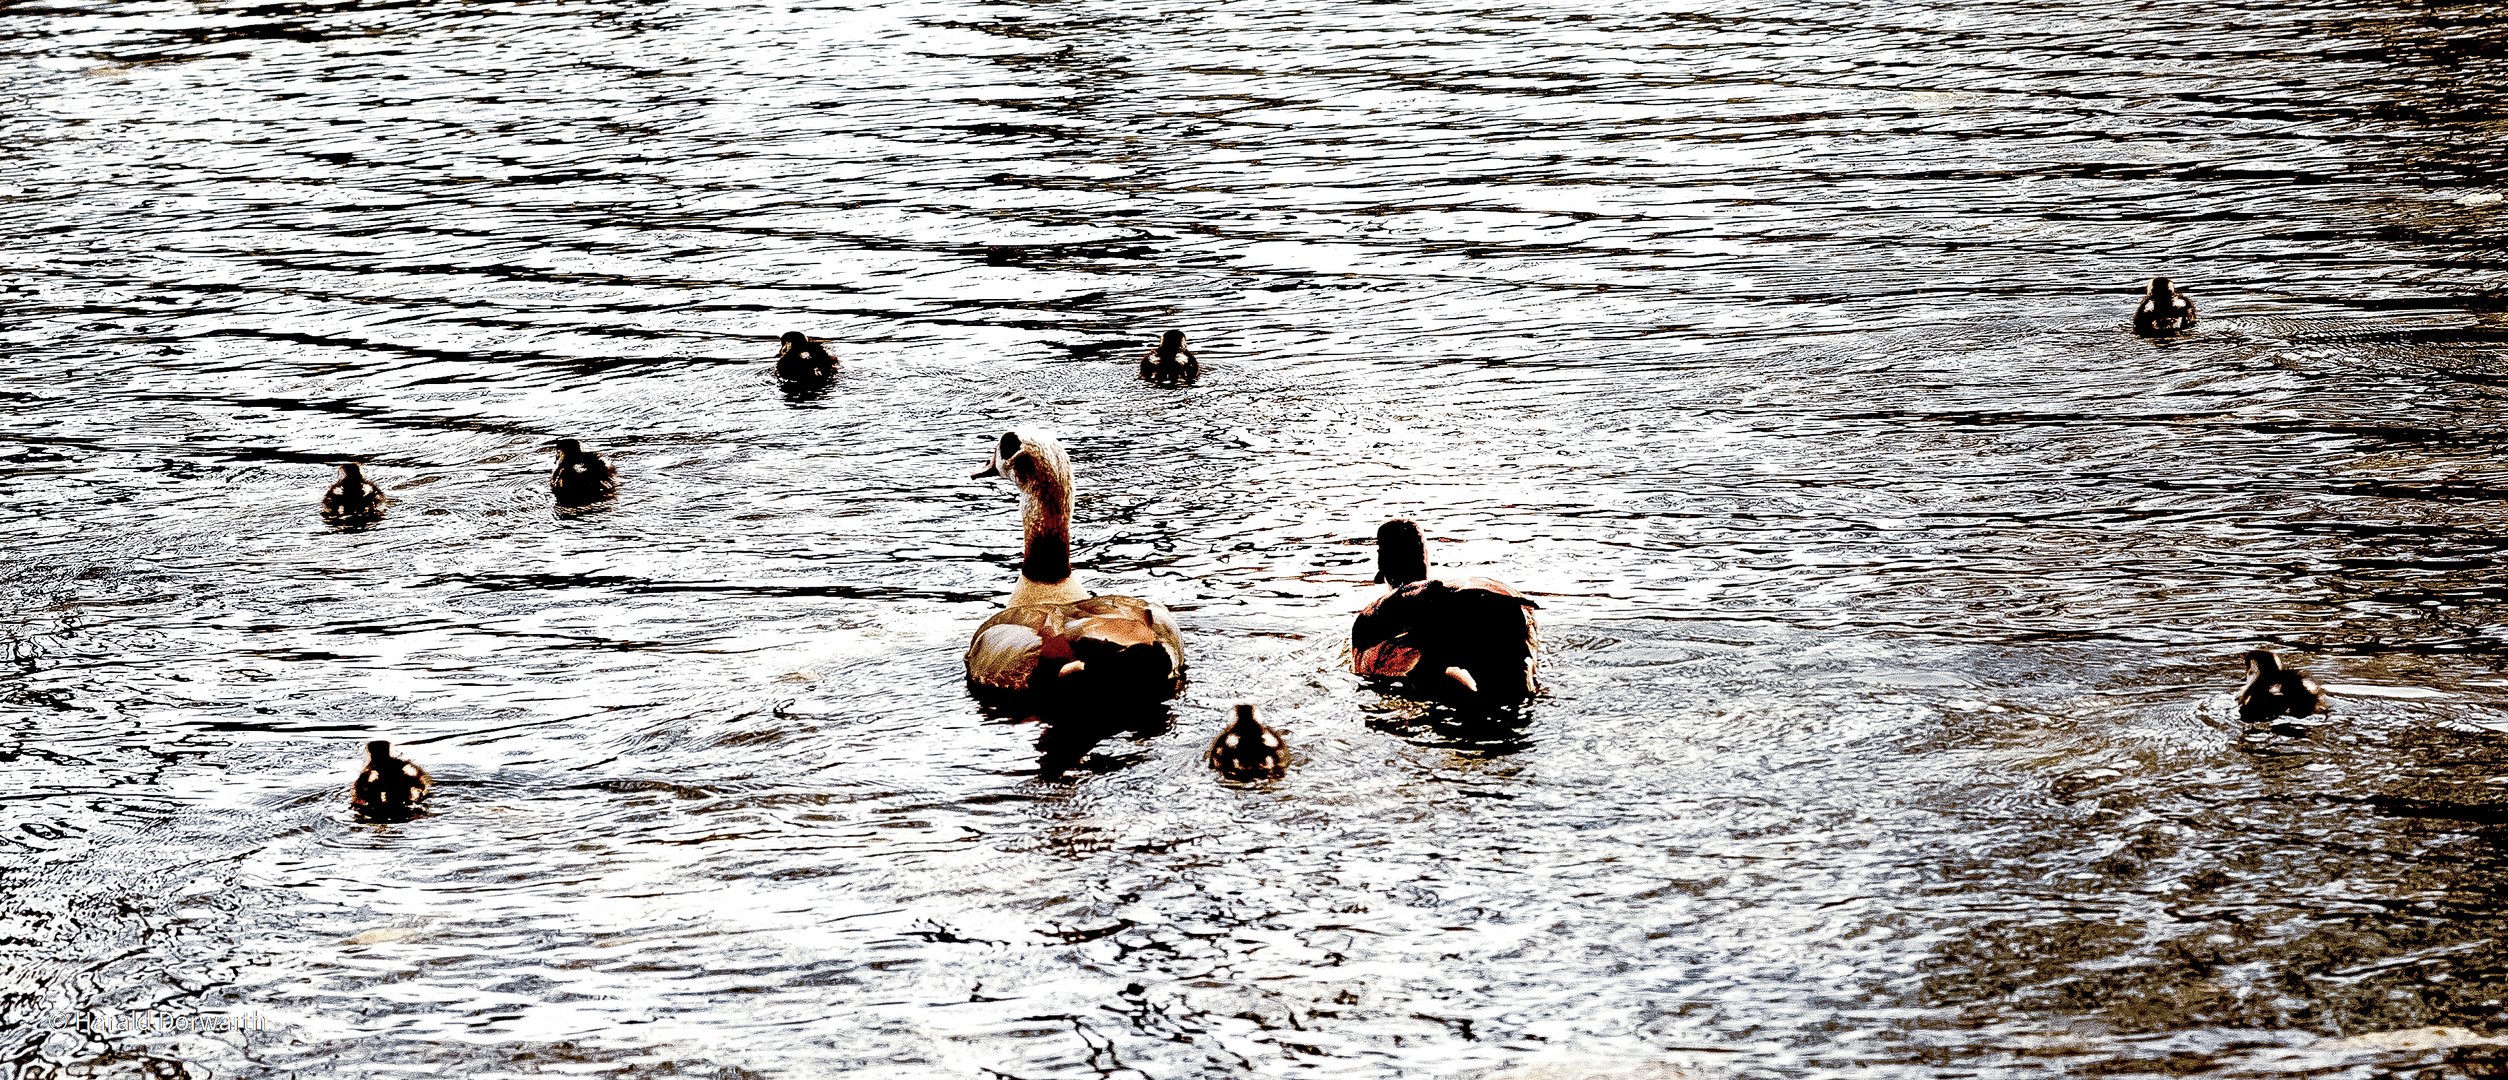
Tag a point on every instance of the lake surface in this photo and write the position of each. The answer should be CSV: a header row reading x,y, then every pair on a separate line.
x,y
1892,592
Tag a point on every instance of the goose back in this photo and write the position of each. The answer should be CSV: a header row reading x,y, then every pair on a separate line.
x,y
1126,648
1478,624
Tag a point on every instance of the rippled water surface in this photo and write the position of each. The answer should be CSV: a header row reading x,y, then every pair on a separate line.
x,y
1892,591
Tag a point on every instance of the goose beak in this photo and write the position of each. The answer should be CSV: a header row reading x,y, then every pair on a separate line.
x,y
991,468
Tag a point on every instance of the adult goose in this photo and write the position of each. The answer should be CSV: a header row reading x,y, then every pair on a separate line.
x,y
2165,310
353,498
581,477
2274,691
388,787
1468,639
1055,641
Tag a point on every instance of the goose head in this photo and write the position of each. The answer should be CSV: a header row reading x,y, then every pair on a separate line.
x,y
1401,553
1035,461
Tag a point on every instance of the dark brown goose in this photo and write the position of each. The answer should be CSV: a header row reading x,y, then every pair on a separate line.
x,y
2273,690
1055,640
1247,750
387,788
353,498
581,478
1468,638
2164,311
803,362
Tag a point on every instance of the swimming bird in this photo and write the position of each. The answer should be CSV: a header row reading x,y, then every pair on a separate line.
x,y
1462,638
1247,750
1169,360
2273,690
352,497
582,478
1055,640
388,787
2164,310
804,362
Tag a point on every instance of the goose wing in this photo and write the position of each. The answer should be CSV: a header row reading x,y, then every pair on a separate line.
x,y
1138,637
1010,646
1479,624
1381,642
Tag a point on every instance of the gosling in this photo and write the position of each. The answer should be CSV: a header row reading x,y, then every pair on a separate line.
x,y
2273,690
582,478
352,498
388,787
2165,311
1246,750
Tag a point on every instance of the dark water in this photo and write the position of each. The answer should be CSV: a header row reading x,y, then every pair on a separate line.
x,y
1892,592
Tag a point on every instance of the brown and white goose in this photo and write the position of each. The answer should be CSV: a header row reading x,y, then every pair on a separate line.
x,y
1055,640
1469,639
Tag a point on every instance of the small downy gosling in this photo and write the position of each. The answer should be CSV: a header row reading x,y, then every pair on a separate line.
x,y
2273,690
803,362
1169,359
388,787
352,498
2165,310
582,478
1247,750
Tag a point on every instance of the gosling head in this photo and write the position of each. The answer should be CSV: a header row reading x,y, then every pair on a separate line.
x,y
2160,289
352,473
795,344
1031,459
1171,341
2263,662
378,752
1401,553
564,447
